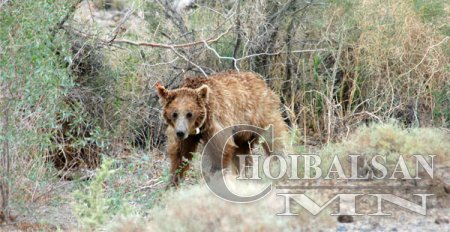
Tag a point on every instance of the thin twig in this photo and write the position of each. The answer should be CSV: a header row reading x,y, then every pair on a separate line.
x,y
424,56
61,23
148,186
161,63
236,60
117,30
188,60
168,46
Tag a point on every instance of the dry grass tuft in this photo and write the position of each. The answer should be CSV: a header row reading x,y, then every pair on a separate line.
x,y
195,208
385,139
392,141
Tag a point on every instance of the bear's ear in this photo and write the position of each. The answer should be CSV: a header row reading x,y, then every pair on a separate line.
x,y
163,93
203,92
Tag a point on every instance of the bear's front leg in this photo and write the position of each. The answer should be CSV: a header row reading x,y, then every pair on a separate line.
x,y
180,154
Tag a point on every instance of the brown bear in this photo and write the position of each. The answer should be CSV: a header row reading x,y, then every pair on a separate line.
x,y
204,106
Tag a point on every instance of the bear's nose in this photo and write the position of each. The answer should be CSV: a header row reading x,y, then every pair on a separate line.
x,y
180,134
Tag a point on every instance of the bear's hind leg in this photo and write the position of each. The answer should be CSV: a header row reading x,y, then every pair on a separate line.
x,y
280,132
244,149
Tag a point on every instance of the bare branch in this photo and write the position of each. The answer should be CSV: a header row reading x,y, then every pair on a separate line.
x,y
236,60
176,19
238,31
118,28
162,63
188,60
168,46
69,13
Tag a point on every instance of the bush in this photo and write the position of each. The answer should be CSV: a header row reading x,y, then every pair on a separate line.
x,y
93,206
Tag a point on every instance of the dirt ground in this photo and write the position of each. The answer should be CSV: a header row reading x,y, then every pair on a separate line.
x,y
45,216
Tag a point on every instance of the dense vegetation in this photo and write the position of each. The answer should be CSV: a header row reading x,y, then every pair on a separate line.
x,y
76,85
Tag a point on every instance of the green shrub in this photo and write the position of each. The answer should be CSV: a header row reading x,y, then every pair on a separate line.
x,y
93,205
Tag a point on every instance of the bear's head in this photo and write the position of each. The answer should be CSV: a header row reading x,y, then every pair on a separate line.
x,y
184,109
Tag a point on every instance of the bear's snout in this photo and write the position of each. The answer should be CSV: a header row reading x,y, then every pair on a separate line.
x,y
181,129
181,134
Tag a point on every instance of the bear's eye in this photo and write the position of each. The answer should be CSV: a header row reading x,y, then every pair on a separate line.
x,y
189,115
174,115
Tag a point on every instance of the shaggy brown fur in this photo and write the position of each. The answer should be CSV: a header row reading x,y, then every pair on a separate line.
x,y
211,104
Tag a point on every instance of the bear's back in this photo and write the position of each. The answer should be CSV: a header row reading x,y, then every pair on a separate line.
x,y
238,98
223,78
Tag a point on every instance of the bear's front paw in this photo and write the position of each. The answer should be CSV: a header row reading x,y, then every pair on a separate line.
x,y
173,183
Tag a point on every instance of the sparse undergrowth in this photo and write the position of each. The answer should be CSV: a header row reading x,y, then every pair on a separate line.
x,y
194,207
391,141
